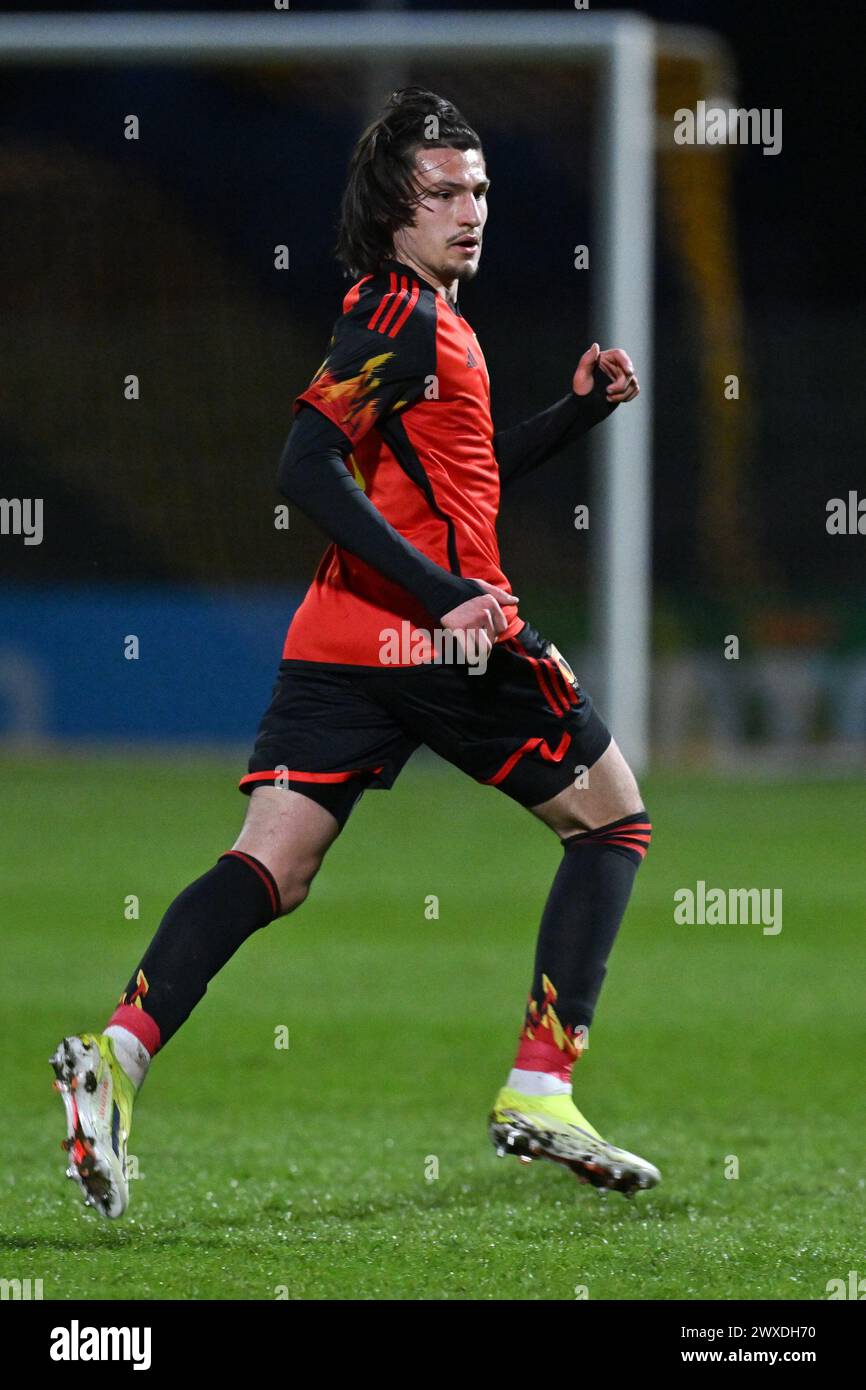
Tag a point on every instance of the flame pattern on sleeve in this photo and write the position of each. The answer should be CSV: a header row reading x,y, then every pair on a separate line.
x,y
352,402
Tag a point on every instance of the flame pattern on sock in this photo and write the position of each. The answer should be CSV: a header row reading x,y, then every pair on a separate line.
x,y
542,1024
141,988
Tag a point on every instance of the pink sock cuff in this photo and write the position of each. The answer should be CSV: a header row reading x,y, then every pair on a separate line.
x,y
137,1022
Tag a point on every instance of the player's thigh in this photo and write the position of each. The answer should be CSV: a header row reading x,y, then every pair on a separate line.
x,y
320,743
290,834
605,793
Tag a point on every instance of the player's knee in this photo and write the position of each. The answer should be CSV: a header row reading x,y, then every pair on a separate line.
x,y
294,886
292,869
577,813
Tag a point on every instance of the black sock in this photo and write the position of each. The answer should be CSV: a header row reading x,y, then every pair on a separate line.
x,y
199,933
578,928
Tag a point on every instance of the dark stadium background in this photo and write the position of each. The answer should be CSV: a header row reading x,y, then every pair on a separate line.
x,y
155,257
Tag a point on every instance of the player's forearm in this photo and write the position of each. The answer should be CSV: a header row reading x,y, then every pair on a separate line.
x,y
521,449
313,475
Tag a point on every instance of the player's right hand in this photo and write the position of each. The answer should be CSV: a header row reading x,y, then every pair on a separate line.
x,y
480,619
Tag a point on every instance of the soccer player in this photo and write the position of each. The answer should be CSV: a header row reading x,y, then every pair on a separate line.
x,y
409,634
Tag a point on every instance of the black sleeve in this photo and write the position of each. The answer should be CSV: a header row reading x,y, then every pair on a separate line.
x,y
313,475
521,449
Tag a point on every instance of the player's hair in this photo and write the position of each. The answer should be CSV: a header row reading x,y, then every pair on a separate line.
x,y
381,193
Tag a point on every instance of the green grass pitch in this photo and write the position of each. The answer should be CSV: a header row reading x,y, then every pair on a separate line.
x,y
310,1171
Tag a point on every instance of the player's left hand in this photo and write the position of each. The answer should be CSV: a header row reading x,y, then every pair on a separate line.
x,y
616,364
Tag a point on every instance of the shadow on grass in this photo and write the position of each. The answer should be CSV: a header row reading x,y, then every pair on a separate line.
x,y
104,1240
545,1205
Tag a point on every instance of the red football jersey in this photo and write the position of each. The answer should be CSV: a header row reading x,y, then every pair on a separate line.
x,y
406,382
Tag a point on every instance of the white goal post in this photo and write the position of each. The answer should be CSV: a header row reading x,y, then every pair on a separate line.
x,y
622,47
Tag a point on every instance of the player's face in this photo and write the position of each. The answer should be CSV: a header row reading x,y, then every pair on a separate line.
x,y
444,243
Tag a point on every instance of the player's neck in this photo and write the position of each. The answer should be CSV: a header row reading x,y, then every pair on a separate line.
x,y
447,290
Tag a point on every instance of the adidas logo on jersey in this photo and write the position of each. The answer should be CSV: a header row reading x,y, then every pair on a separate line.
x,y
470,360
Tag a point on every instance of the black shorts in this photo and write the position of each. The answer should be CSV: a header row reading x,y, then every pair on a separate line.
x,y
525,725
